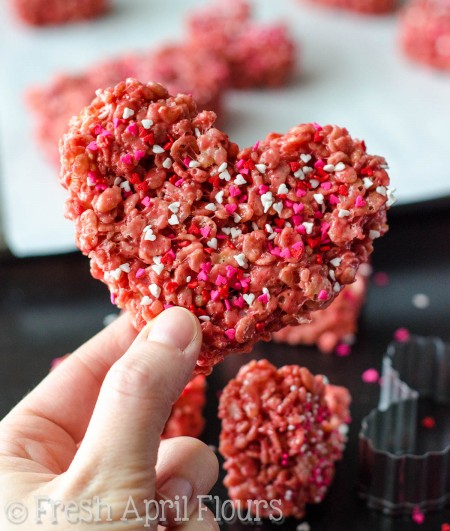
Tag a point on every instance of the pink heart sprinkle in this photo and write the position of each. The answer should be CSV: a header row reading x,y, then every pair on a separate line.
x,y
227,304
140,272
263,298
300,193
202,276
263,189
230,333
231,271
297,219
285,253
146,201
92,146
231,209
239,302
360,202
323,295
333,199
215,295
234,191
221,280
204,231
326,186
298,207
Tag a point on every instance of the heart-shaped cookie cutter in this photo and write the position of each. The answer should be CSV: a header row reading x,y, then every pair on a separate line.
x,y
394,478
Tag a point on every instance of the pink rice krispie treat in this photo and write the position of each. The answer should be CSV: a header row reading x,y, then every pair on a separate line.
x,y
171,212
187,418
368,7
175,66
331,326
256,55
279,437
48,12
425,32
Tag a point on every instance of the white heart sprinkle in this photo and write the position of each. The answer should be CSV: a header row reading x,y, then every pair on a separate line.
x,y
374,234
174,207
194,164
158,149
241,260
158,268
211,207
299,174
336,262
212,243
235,232
125,186
305,158
173,220
116,273
147,123
278,207
314,183
219,197
340,166
225,175
155,290
226,230
261,168
282,189
381,190
157,259
222,167
319,198
343,213
146,300
308,226
237,218
329,168
167,163
248,298
149,236
127,113
240,180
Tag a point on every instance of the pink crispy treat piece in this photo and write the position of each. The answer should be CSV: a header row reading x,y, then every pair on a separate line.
x,y
282,432
53,12
187,418
256,55
425,32
176,66
214,227
367,7
329,327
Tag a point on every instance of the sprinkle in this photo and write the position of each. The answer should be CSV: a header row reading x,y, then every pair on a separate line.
x,y
282,189
314,183
267,201
211,206
225,175
417,515
336,262
189,278
240,180
126,159
333,199
343,350
261,168
158,268
173,220
204,318
235,232
146,201
147,123
219,197
197,132
174,207
428,423
305,158
167,163
145,301
381,279
237,218
140,272
308,227
92,146
374,234
370,376
234,191
194,164
340,166
139,154
337,287
127,113
278,207
391,198
212,244
226,230
323,295
158,149
329,168
230,333
367,182
402,335
231,271
249,298
155,290
381,190
148,234
205,231
125,186
231,209
222,167
201,276
262,189
319,198
299,174
241,260
255,146
343,213
360,202
421,301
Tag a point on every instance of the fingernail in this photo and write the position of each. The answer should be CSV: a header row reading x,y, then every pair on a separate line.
x,y
175,326
176,487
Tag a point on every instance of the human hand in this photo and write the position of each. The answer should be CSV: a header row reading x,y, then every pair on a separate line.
x,y
90,434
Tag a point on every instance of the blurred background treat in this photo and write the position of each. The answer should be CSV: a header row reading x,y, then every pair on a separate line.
x,y
425,32
366,7
51,12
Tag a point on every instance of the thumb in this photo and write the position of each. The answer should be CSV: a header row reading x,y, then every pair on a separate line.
x,y
135,401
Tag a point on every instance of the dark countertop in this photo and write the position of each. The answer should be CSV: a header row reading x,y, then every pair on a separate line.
x,y
48,306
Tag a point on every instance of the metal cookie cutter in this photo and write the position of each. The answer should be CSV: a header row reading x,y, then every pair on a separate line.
x,y
396,474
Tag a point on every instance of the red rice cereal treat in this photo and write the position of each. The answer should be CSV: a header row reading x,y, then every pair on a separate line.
x,y
175,66
333,325
425,32
52,12
186,418
368,7
279,438
257,56
171,212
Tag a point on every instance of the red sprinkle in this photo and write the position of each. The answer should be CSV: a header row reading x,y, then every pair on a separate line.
x,y
428,422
